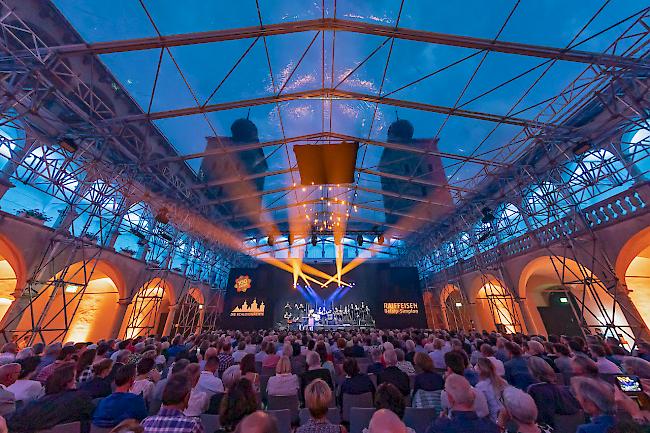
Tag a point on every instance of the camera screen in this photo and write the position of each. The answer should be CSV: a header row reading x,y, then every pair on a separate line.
x,y
628,383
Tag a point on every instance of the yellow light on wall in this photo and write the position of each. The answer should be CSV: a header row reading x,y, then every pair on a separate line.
x,y
200,307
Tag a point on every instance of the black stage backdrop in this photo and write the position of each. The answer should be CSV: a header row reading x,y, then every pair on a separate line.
x,y
383,288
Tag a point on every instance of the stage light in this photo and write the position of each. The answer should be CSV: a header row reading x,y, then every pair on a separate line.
x,y
71,288
459,304
68,144
582,147
359,239
163,215
314,240
200,307
270,241
290,238
488,216
485,236
380,239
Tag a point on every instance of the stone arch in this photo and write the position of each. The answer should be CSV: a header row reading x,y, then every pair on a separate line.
x,y
542,288
79,303
455,308
12,274
496,307
633,268
147,313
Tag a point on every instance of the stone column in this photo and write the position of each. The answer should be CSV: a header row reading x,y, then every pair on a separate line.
x,y
170,319
120,315
527,318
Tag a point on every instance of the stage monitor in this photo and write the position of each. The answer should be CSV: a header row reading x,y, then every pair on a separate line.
x,y
378,296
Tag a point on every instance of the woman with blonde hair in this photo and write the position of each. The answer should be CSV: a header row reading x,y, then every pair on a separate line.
x,y
318,397
491,385
284,382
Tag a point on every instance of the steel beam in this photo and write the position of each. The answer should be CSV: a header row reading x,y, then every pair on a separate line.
x,y
234,179
327,136
403,196
328,94
336,24
352,218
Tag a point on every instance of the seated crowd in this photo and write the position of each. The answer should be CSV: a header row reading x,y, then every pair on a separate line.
x,y
470,381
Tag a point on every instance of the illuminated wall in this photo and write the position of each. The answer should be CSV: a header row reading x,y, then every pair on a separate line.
x,y
637,279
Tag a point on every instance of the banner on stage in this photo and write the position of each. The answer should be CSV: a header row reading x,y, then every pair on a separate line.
x,y
401,308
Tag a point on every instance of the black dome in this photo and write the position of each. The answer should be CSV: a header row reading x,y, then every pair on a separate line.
x,y
400,130
244,131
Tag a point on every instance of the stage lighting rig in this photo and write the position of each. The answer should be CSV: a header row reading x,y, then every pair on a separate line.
x,y
290,238
314,240
270,241
163,215
381,239
488,216
360,239
582,147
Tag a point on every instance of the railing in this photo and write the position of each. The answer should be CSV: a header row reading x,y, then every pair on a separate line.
x,y
613,210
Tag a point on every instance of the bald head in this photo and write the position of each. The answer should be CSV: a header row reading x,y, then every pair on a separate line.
x,y
9,373
385,421
459,392
258,422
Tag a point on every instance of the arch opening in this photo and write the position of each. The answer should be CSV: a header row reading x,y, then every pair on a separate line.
x,y
637,280
71,305
456,309
147,313
496,305
555,286
188,317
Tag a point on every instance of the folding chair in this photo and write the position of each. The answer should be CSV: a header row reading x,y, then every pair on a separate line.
x,y
355,401
282,418
210,422
290,402
419,419
360,418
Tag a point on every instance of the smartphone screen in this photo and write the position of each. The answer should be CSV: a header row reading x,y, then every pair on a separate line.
x,y
629,383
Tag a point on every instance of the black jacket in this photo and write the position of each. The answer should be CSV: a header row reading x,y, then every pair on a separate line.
x,y
395,376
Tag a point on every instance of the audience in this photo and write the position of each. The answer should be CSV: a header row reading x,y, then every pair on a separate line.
x,y
551,399
491,385
355,382
314,371
376,366
385,421
199,400
24,388
170,417
516,368
258,422
461,416
318,396
247,367
100,385
519,408
426,383
238,402
61,404
121,404
208,381
596,398
184,379
9,374
284,383
392,374
390,398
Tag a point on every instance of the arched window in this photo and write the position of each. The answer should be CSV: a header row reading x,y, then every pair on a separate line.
x,y
635,144
509,222
596,177
543,204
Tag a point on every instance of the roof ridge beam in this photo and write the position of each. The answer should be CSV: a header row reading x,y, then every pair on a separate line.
x,y
337,24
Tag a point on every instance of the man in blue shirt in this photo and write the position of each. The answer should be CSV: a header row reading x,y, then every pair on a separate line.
x,y
597,400
517,373
462,417
122,404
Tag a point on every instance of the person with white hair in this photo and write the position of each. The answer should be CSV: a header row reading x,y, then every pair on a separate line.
x,y
230,376
596,397
520,408
462,418
392,374
314,371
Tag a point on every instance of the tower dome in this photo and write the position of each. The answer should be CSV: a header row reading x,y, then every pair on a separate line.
x,y
244,131
400,130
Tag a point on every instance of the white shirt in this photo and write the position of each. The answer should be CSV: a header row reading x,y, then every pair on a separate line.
x,y
7,358
197,404
209,383
605,366
238,355
438,358
283,384
144,387
26,390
